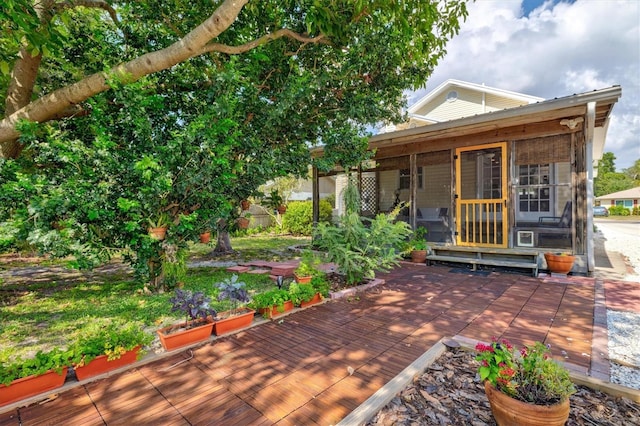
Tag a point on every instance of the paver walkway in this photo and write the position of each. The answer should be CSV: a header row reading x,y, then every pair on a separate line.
x,y
316,365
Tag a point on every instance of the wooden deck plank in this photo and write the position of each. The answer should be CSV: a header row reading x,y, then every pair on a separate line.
x,y
79,411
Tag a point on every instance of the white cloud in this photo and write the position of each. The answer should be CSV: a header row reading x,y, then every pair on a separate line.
x,y
557,50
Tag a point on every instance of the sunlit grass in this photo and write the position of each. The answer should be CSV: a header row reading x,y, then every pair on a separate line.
x,y
42,319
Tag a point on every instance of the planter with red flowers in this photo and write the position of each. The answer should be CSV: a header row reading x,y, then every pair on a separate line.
x,y
526,387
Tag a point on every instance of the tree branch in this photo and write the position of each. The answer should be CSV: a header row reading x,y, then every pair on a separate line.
x,y
93,4
50,105
235,50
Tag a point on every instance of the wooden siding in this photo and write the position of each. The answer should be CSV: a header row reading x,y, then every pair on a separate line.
x,y
496,103
468,103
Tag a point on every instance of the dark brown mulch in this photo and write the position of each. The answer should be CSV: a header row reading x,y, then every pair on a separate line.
x,y
338,282
449,393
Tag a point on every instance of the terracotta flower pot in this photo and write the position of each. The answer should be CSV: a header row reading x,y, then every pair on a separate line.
x,y
304,279
316,299
232,323
158,233
243,223
510,411
31,385
101,364
177,336
205,237
559,264
274,312
418,256
282,209
245,204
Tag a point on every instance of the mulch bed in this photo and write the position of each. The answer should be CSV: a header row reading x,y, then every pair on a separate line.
x,y
449,393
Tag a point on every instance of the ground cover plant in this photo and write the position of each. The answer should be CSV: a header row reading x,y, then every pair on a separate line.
x,y
45,315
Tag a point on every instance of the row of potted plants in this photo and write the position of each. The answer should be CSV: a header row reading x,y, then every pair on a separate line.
x,y
105,346
102,347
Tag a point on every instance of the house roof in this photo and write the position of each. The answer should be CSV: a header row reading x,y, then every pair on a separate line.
x,y
452,84
564,110
633,193
589,112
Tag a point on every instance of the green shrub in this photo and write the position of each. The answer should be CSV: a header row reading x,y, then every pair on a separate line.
x,y
360,250
618,211
636,211
299,217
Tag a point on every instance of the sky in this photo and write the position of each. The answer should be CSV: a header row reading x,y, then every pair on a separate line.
x,y
553,49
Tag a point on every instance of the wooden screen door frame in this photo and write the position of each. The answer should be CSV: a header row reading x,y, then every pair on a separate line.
x,y
482,221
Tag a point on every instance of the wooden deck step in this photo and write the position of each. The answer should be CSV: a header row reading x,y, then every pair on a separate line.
x,y
474,257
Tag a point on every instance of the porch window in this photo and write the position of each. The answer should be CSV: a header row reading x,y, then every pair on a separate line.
x,y
405,178
534,192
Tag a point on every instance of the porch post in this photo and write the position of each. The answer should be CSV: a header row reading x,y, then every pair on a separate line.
x,y
315,195
413,192
589,131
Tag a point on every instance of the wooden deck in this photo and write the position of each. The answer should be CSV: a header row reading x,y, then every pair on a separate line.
x,y
317,365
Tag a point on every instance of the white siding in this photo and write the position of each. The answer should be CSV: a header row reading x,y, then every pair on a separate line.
x,y
468,103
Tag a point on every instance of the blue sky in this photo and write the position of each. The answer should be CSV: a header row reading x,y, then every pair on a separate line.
x,y
553,49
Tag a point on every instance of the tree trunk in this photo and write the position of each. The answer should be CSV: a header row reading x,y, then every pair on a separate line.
x,y
223,242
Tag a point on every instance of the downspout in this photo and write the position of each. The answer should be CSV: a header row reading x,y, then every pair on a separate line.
x,y
589,132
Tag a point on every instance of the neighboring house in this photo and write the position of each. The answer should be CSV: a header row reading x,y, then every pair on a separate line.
x,y
488,170
627,198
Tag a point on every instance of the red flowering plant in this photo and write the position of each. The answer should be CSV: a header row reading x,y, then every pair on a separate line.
x,y
530,375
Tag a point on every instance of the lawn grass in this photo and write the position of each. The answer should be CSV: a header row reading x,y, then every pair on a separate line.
x,y
42,314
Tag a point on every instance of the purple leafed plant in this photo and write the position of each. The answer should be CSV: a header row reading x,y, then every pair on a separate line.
x,y
234,291
192,305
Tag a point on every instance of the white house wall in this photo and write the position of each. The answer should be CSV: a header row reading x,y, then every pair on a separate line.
x,y
468,103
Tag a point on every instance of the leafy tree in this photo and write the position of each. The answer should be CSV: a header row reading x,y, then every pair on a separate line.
x,y
609,181
116,114
633,172
607,163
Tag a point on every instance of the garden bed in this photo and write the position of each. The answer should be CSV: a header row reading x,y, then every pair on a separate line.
x,y
449,392
339,287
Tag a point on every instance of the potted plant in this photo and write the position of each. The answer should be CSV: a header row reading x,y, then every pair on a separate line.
x,y
309,294
529,388
233,291
418,245
559,263
23,378
105,347
276,202
306,268
244,220
245,204
158,227
198,324
205,237
272,302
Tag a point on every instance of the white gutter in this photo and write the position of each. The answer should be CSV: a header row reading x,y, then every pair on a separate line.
x,y
589,133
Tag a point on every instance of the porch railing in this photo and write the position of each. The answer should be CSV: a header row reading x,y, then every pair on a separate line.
x,y
481,222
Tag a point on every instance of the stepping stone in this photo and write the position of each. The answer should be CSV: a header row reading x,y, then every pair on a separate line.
x,y
239,269
285,271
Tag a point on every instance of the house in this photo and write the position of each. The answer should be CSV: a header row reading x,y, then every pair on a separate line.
x,y
491,174
627,198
